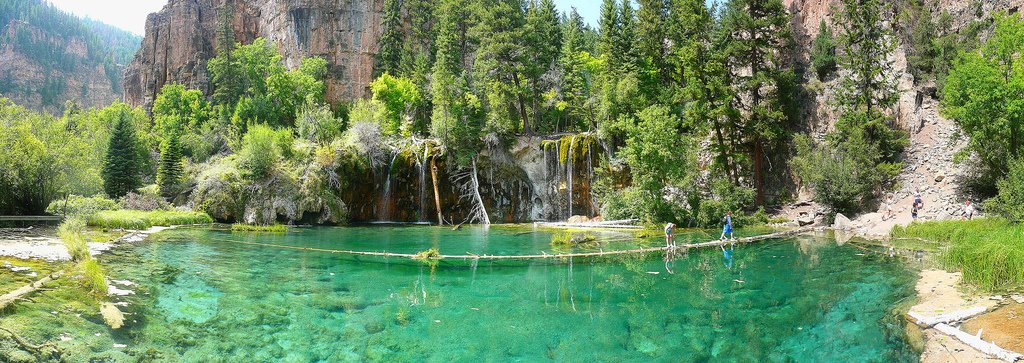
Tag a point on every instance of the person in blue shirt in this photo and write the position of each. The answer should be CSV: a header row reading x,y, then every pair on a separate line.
x,y
670,239
727,253
727,229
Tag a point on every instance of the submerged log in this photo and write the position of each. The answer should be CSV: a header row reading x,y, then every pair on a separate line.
x,y
21,292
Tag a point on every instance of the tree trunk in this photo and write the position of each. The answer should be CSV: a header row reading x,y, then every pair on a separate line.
x,y
479,200
437,195
522,104
759,171
13,296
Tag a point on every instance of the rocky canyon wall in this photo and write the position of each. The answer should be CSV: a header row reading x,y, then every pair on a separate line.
x,y
182,38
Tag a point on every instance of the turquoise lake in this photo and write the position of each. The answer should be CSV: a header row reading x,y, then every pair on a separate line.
x,y
203,297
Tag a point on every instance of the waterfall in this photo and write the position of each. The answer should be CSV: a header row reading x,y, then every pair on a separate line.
x,y
568,172
384,212
423,184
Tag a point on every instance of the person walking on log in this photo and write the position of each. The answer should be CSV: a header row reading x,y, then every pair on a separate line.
x,y
727,229
670,238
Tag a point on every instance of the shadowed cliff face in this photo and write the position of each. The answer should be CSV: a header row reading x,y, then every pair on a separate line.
x,y
182,37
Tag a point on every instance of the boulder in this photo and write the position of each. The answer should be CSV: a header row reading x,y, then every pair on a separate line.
x,y
842,223
578,220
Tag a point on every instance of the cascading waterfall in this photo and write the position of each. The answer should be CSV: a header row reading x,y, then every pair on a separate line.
x,y
569,172
384,210
423,184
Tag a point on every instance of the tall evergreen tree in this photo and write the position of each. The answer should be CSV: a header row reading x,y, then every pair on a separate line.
x,y
501,64
170,170
757,54
651,41
122,167
625,43
609,31
226,74
543,43
823,52
868,88
390,47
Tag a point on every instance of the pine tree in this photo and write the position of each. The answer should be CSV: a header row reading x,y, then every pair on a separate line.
x,y
823,52
609,24
625,43
390,47
224,71
122,166
543,43
868,89
757,54
650,32
170,170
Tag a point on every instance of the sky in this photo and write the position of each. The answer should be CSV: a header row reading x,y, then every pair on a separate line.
x,y
131,15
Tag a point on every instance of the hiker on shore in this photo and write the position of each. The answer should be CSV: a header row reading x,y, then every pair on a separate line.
x,y
918,204
727,229
670,238
968,211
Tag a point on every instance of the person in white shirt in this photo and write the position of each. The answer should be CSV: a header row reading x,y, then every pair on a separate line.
x,y
968,211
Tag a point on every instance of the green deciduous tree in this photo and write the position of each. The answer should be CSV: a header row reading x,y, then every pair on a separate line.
x,y
983,95
399,97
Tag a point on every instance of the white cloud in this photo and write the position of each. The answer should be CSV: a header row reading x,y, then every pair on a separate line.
x,y
129,15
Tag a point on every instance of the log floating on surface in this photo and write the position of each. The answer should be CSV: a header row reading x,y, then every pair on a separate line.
x,y
543,255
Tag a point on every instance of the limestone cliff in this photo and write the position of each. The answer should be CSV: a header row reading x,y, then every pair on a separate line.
x,y
182,37
929,166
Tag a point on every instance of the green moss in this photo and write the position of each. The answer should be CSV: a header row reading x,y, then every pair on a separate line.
x,y
134,219
273,228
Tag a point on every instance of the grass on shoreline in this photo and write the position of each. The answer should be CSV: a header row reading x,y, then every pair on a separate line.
x,y
989,251
273,228
135,219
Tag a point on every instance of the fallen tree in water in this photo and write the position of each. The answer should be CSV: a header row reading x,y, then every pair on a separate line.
x,y
21,292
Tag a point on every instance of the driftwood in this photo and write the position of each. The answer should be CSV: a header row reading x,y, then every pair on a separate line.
x,y
25,344
979,344
11,297
961,315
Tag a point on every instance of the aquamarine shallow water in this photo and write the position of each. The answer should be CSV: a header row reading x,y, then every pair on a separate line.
x,y
204,298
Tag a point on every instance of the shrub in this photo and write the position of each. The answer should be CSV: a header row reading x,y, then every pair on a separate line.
x,y
569,239
71,232
144,200
135,219
318,124
93,278
823,52
76,205
1010,200
260,151
219,189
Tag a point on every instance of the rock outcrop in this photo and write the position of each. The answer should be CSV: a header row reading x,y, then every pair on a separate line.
x,y
43,65
182,38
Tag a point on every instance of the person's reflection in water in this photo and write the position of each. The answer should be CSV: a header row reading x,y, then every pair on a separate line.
x,y
727,253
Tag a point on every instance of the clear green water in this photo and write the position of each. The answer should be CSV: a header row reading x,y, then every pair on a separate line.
x,y
203,298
